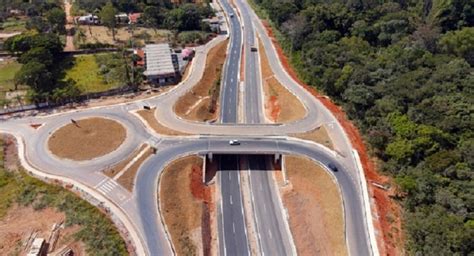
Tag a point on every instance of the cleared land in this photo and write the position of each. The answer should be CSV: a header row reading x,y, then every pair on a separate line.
x,y
315,209
281,106
197,104
318,135
185,203
28,205
85,72
149,117
20,222
100,34
87,139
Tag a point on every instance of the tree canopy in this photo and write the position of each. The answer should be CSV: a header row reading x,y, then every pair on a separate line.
x,y
403,72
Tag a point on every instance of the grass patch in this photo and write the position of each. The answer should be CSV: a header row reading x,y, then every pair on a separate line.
x,y
85,72
96,230
7,73
13,25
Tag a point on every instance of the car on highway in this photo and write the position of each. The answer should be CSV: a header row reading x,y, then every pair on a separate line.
x,y
333,167
234,142
253,48
231,15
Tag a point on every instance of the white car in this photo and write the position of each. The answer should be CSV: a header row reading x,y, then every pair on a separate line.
x,y
234,142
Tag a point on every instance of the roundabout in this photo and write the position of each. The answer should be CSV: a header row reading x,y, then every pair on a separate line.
x,y
87,138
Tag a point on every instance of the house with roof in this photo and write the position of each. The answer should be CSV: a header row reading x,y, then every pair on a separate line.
x,y
162,64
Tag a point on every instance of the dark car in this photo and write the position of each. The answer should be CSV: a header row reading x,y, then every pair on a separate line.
x,y
333,167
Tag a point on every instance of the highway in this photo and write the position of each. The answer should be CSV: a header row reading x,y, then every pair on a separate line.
x,y
138,210
271,226
232,230
230,87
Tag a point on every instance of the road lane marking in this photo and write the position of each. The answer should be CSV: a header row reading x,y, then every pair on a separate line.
x,y
233,227
231,199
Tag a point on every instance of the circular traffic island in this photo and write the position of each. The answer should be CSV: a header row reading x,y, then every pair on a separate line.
x,y
86,139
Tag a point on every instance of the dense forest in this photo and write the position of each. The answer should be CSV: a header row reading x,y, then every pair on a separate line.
x,y
403,72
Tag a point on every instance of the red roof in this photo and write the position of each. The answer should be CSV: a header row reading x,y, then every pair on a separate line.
x,y
141,53
133,17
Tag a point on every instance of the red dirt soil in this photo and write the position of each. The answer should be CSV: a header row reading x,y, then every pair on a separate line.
x,y
274,108
204,193
388,222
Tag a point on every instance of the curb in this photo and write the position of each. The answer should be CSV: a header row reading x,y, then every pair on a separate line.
x,y
140,245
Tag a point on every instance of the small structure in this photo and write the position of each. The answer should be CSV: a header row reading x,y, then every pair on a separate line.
x,y
134,18
140,53
122,18
38,247
187,53
161,64
88,20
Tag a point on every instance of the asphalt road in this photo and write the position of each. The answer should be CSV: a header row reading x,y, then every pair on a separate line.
x,y
171,149
230,87
270,224
233,239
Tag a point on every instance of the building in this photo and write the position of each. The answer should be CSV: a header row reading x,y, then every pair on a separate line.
x,y
38,247
134,18
161,64
88,20
122,18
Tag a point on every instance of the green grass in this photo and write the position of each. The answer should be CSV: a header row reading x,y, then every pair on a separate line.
x,y
96,230
7,73
12,25
85,72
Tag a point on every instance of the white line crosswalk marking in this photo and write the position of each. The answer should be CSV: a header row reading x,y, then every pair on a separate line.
x,y
107,186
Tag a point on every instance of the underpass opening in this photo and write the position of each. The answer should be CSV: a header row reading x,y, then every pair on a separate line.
x,y
239,162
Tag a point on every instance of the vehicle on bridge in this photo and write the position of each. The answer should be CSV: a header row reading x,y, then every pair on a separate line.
x,y
234,142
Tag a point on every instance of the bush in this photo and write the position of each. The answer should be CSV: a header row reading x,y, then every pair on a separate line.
x,y
94,46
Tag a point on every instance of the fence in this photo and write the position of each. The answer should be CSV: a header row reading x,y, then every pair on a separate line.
x,y
81,98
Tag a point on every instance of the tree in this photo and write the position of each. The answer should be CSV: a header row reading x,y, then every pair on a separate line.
x,y
459,43
38,54
36,75
56,18
107,17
